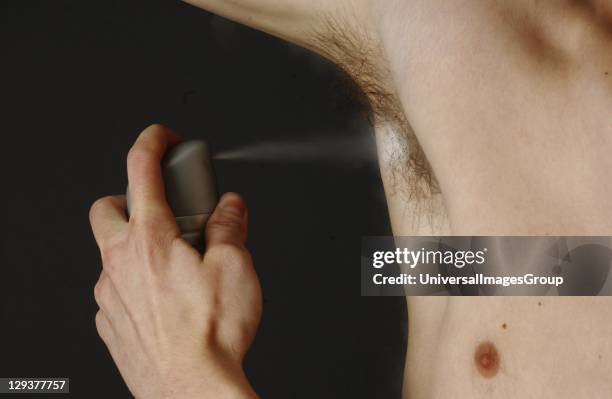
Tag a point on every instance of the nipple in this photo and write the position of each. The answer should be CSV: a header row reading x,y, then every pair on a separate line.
x,y
486,359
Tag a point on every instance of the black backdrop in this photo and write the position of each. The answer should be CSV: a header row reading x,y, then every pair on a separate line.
x,y
79,80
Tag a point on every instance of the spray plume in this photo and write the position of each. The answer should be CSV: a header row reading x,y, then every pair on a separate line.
x,y
324,150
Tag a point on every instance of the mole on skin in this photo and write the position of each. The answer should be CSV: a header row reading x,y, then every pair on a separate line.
x,y
486,359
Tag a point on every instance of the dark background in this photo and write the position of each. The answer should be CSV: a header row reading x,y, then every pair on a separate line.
x,y
79,81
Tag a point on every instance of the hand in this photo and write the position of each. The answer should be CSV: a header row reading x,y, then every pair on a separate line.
x,y
176,324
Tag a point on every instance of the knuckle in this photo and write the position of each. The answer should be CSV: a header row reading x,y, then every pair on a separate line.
x,y
98,206
101,325
245,335
226,222
228,254
101,291
149,224
149,237
112,254
237,341
156,128
138,155
99,319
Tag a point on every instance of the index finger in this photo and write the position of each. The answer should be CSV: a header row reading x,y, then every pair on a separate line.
x,y
146,185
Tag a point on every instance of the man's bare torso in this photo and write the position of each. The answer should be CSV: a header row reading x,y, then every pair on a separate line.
x,y
492,118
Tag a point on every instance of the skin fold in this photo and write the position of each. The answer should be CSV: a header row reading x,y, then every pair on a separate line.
x,y
491,118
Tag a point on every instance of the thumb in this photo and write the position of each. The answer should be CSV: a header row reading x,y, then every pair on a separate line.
x,y
228,223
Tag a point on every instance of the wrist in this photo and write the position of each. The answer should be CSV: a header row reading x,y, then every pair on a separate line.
x,y
214,379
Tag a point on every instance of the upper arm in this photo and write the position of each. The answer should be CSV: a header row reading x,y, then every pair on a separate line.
x,y
292,20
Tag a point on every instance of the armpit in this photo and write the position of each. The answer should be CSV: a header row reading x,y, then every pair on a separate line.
x,y
359,54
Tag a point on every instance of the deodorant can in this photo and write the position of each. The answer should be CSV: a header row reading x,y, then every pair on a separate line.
x,y
190,187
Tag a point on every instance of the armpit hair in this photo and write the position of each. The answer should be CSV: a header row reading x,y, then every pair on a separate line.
x,y
362,58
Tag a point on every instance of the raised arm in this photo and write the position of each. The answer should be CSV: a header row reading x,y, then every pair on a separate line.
x,y
297,21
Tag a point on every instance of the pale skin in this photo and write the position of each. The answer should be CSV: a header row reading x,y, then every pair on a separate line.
x,y
511,102
176,323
